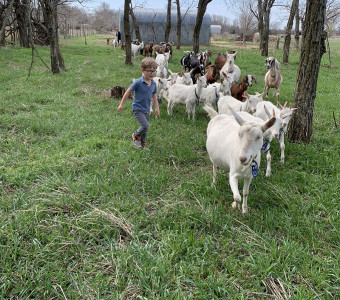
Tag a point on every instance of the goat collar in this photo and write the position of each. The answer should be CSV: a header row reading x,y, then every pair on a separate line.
x,y
265,146
254,167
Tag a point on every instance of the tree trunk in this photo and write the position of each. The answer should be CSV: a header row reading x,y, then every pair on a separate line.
x,y
264,8
297,27
168,22
286,45
312,49
135,25
8,11
202,7
22,11
179,25
127,32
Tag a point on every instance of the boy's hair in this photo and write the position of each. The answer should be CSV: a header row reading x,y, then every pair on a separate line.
x,y
149,62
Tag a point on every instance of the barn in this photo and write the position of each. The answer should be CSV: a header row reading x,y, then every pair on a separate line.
x,y
152,23
216,29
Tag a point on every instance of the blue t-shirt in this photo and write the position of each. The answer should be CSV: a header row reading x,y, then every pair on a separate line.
x,y
143,94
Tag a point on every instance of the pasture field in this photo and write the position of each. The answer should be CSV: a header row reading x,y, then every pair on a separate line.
x,y
85,215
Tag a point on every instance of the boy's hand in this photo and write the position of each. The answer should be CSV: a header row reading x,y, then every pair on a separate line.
x,y
120,107
157,112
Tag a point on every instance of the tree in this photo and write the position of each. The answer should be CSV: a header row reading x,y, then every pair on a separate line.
x,y
313,47
246,20
202,7
127,32
263,16
135,24
286,46
7,12
180,18
168,22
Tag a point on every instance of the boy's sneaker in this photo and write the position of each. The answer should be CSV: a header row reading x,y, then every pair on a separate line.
x,y
136,140
144,147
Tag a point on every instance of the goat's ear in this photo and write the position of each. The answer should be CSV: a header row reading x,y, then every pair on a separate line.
x,y
237,117
278,104
267,112
268,124
254,78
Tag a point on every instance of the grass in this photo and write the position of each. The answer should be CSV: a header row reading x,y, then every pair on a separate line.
x,y
85,215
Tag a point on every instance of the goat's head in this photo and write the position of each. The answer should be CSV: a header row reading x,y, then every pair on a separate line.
x,y
270,62
252,101
285,113
251,137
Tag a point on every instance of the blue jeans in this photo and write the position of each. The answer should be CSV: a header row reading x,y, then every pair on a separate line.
x,y
143,119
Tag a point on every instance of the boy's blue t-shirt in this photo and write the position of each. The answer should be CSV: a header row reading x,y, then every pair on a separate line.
x,y
143,94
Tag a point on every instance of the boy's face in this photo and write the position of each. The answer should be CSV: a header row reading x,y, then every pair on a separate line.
x,y
148,73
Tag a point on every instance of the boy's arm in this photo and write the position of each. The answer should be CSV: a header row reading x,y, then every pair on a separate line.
x,y
155,102
125,96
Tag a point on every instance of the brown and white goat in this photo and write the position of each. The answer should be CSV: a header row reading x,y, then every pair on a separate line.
x,y
148,49
237,89
273,78
212,72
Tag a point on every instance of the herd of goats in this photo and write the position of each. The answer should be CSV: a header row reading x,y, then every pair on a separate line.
x,y
241,125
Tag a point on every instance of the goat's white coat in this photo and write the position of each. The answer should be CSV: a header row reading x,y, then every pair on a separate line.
x,y
282,113
233,144
249,105
230,68
161,84
135,49
273,78
186,94
213,92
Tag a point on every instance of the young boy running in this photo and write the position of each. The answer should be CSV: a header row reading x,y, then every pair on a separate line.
x,y
145,90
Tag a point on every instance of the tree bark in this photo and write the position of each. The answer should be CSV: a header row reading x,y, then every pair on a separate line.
x,y
168,22
202,7
289,27
127,32
264,8
179,25
297,27
135,25
8,11
22,11
300,127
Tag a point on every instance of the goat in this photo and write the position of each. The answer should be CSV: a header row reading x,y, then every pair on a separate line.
x,y
185,60
162,59
280,111
213,92
273,79
268,135
269,60
135,49
148,49
227,102
186,94
198,70
212,72
237,89
172,78
115,43
235,145
230,68
161,84
184,78
161,71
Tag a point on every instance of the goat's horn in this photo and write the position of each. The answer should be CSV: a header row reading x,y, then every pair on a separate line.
x,y
285,105
290,105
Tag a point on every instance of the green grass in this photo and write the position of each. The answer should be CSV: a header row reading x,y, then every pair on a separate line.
x,y
85,215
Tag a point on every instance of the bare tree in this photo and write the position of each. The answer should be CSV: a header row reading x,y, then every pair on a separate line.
x,y
297,28
263,16
7,12
127,32
313,47
135,24
180,18
168,22
202,7
286,46
246,19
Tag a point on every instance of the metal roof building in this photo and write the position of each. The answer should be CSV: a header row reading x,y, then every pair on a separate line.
x,y
215,29
152,24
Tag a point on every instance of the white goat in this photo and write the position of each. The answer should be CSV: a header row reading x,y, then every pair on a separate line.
x,y
186,94
213,92
115,43
282,112
268,135
235,145
162,59
230,68
273,78
161,71
161,84
172,78
184,78
135,49
249,105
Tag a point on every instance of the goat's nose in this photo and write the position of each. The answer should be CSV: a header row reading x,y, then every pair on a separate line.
x,y
243,159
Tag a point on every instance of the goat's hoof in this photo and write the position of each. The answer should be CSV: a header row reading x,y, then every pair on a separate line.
x,y
267,175
282,161
244,210
234,205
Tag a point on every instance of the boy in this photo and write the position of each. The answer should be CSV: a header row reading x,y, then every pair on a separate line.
x,y
145,90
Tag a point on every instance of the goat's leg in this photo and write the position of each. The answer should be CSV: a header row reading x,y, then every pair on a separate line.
x,y
269,160
233,181
246,185
277,94
266,90
170,107
214,174
282,146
